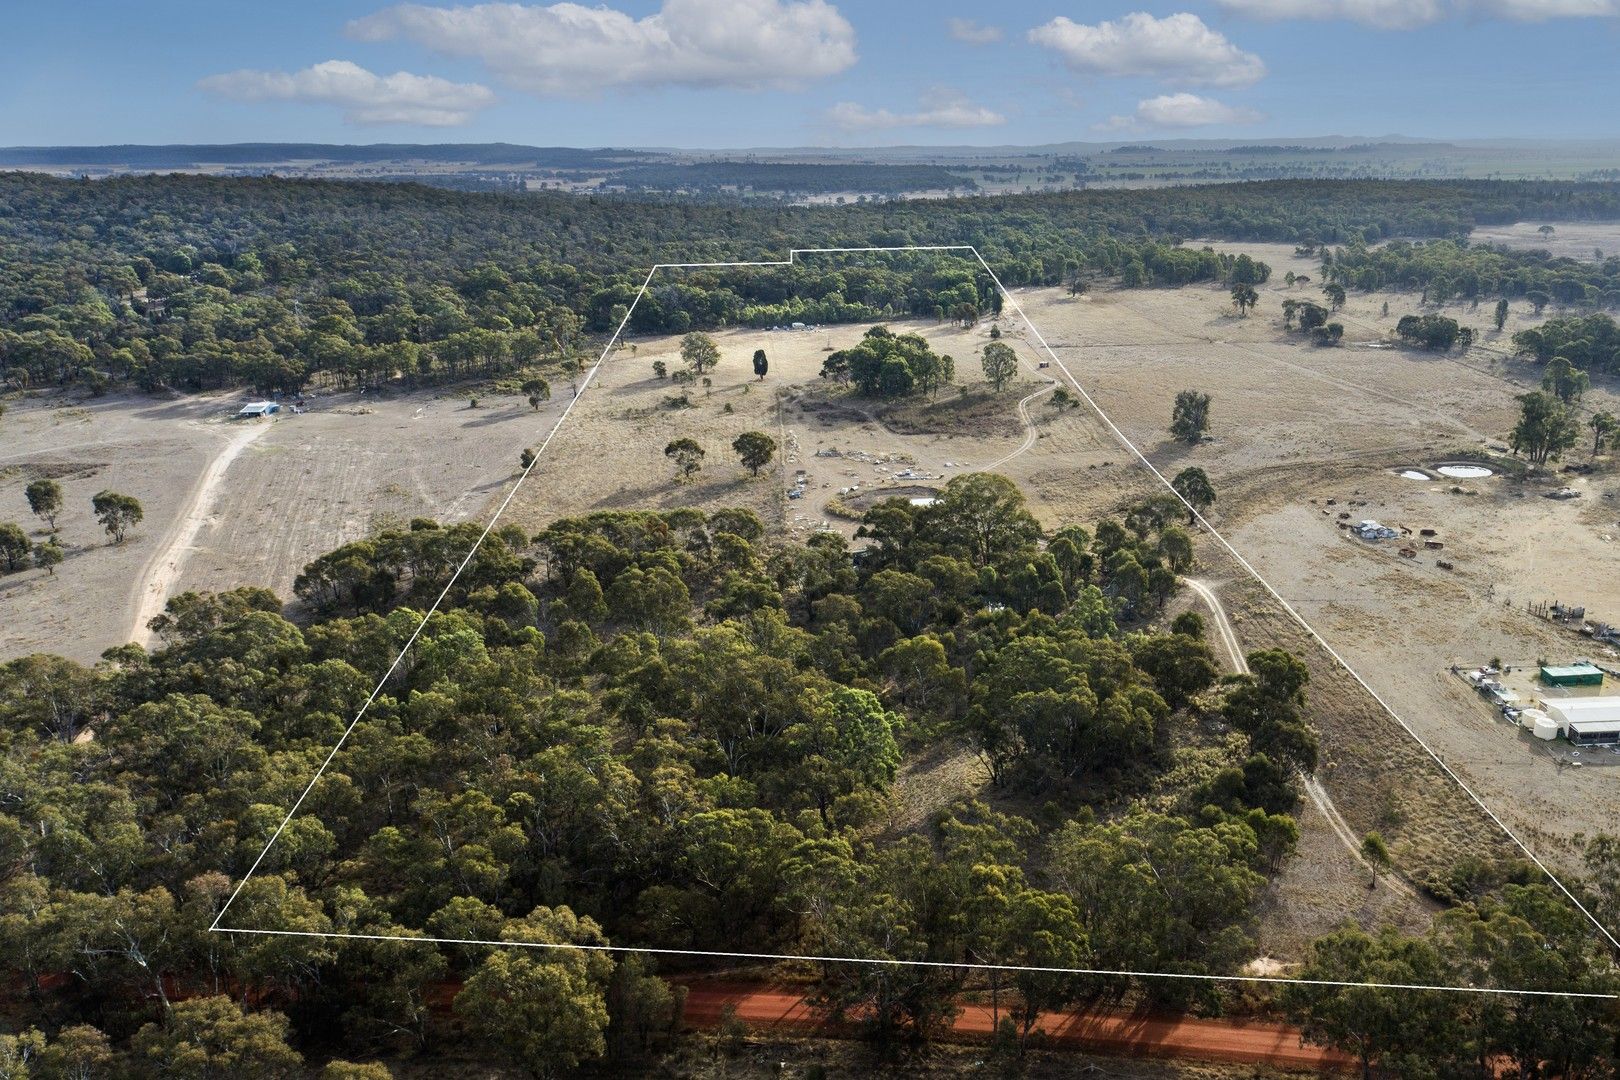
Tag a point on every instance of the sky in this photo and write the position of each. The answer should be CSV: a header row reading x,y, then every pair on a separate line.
x,y
756,73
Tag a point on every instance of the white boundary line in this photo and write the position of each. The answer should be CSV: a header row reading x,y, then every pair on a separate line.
x,y
954,965
793,254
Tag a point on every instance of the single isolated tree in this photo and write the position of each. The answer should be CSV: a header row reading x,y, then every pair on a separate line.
x,y
700,352
1190,417
526,459
687,456
660,369
1244,298
1376,852
761,364
755,448
45,500
1335,295
1000,365
1193,484
48,556
117,513
1500,318
1546,231
538,390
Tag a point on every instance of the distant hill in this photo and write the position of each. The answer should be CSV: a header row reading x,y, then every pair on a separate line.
x,y
793,177
189,156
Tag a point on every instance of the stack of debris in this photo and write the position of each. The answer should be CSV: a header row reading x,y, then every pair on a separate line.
x,y
1372,531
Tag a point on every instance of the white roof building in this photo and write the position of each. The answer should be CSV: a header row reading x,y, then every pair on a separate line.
x,y
1585,719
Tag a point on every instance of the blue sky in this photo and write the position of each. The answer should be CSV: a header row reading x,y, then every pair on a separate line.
x,y
727,73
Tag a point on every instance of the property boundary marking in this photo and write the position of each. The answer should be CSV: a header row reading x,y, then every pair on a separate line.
x,y
584,385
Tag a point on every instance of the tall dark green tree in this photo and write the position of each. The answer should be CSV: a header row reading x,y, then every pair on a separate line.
x,y
1189,418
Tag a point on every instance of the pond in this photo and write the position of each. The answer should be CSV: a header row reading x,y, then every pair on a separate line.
x,y
1464,472
1415,474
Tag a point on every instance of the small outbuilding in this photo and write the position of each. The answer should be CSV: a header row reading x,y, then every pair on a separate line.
x,y
1579,674
255,409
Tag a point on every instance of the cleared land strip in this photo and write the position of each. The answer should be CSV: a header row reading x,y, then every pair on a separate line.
x,y
162,570
1313,787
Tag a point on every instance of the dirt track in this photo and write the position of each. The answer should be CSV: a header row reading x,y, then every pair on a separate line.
x,y
1246,1042
158,577
1318,795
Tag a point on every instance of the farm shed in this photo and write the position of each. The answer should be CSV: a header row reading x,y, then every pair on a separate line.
x,y
1585,720
1581,674
255,409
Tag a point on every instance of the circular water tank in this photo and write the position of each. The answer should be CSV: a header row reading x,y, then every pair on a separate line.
x,y
1545,728
1528,718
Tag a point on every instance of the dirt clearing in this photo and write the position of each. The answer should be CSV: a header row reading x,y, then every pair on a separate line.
x,y
230,503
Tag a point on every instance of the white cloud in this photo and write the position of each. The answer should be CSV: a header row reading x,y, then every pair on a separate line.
x,y
1409,14
938,108
972,33
1538,10
1383,14
575,51
1177,48
367,98
1180,111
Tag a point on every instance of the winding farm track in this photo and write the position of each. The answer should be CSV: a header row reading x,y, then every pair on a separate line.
x,y
1104,1031
1313,787
1031,432
1223,625
162,570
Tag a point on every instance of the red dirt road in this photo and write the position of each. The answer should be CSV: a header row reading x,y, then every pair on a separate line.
x,y
1245,1042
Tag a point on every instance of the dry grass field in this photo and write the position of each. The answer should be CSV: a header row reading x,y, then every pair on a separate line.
x,y
229,502
1574,241
610,454
1295,426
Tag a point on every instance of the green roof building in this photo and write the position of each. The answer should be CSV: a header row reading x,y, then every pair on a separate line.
x,y
1582,674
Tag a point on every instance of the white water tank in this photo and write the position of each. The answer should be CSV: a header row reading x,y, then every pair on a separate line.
x,y
1528,718
1545,728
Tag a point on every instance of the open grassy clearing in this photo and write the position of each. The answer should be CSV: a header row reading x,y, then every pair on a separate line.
x,y
1574,241
1294,423
610,454
231,503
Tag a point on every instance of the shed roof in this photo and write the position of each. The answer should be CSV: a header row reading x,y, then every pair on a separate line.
x,y
1583,713
1570,671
